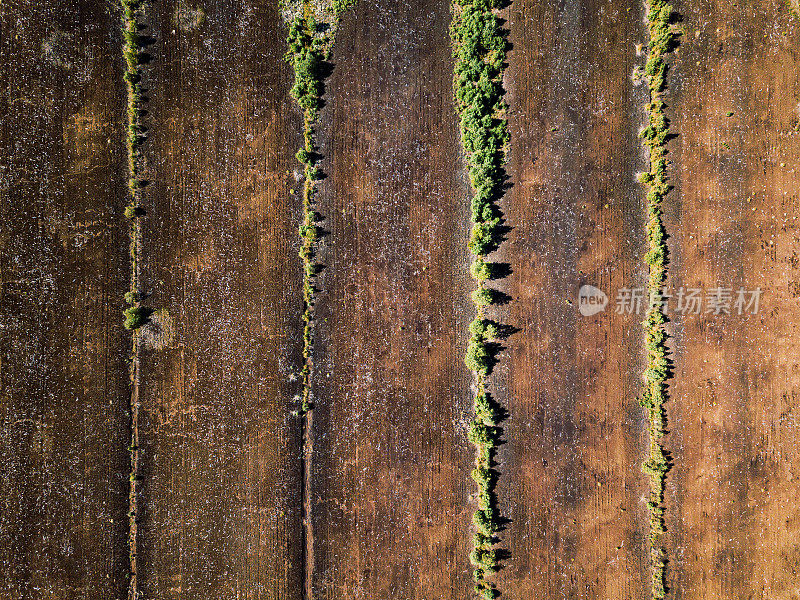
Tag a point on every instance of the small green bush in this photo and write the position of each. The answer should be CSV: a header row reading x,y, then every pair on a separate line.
x,y
481,434
478,358
486,409
489,593
483,296
134,317
478,328
483,477
480,269
482,522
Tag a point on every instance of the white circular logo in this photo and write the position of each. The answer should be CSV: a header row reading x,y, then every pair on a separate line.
x,y
591,300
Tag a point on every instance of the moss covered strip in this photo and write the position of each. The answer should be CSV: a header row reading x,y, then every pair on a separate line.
x,y
479,47
662,39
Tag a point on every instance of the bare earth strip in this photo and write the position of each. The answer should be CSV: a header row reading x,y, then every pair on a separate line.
x,y
734,488
391,462
571,481
64,383
220,452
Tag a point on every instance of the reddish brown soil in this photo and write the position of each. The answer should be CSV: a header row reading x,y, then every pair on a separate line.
x,y
734,487
220,501
64,383
571,482
391,462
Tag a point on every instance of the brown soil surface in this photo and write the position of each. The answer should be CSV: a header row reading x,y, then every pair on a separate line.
x,y
571,481
733,218
391,461
64,383
220,500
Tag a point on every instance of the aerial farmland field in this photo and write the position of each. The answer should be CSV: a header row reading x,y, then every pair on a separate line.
x,y
380,300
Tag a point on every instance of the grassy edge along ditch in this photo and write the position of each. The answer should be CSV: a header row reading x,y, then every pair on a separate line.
x,y
135,315
479,48
663,36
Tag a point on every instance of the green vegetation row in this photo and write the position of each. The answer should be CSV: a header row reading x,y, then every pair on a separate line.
x,y
135,315
310,40
479,48
662,39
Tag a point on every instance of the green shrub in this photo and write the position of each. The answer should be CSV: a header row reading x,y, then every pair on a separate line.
x,y
135,317
482,522
483,296
483,477
478,358
484,558
486,409
480,269
481,434
478,328
489,593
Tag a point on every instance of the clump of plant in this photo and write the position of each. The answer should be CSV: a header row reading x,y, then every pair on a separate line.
x,y
132,52
479,48
662,39
135,315
309,39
